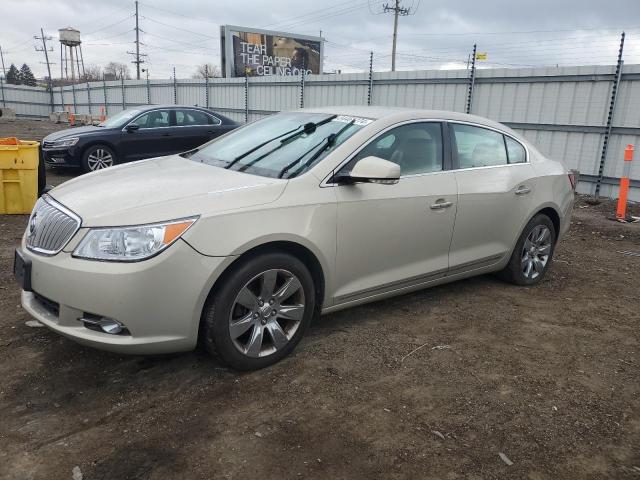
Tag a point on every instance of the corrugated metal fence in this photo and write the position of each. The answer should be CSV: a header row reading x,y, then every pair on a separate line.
x,y
561,110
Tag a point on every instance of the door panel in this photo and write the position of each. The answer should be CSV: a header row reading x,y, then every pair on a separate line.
x,y
491,212
388,236
153,139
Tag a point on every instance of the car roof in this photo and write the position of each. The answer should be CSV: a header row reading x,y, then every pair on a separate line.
x,y
402,113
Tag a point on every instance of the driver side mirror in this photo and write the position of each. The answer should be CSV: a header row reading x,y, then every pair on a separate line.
x,y
372,170
132,127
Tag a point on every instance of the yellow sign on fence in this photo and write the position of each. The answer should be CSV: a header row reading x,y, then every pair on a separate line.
x,y
481,56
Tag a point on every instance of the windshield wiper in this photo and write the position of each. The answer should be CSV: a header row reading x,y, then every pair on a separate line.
x,y
328,141
307,128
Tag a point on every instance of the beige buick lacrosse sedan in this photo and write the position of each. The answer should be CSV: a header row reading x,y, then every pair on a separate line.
x,y
242,242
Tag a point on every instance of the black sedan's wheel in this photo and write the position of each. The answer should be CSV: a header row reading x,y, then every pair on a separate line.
x,y
533,253
260,312
98,157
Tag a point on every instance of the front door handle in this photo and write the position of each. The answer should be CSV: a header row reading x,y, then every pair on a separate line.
x,y
522,190
440,204
166,134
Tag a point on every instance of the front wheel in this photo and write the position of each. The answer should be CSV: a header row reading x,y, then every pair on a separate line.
x,y
98,157
260,312
533,253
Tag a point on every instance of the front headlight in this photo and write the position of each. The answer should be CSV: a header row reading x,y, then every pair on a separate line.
x,y
131,244
65,142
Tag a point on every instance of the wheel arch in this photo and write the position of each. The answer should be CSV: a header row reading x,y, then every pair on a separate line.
x,y
296,249
93,143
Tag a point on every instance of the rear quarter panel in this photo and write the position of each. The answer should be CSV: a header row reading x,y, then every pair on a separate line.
x,y
553,189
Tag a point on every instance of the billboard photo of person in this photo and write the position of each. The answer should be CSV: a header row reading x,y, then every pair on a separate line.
x,y
257,53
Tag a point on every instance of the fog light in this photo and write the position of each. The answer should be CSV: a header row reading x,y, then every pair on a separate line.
x,y
104,324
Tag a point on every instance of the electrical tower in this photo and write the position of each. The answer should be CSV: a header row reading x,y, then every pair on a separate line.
x,y
398,10
137,53
46,51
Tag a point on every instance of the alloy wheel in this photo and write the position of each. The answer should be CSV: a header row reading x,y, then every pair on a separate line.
x,y
536,252
99,159
266,313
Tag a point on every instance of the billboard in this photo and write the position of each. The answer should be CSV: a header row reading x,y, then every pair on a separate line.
x,y
251,52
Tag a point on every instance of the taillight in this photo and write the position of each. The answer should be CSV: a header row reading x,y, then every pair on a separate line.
x,y
573,178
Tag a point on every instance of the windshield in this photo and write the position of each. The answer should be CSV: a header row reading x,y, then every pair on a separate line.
x,y
120,118
280,146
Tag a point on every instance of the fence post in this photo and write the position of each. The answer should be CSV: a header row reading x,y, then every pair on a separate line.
x,y
148,90
621,211
472,80
370,89
4,104
206,91
302,88
175,87
73,95
124,101
612,108
246,99
104,93
89,97
62,98
50,88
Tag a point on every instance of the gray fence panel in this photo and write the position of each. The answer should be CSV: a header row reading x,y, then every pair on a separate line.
x,y
563,111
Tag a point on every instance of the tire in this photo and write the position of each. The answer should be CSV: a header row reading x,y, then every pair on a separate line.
x,y
98,157
533,252
236,316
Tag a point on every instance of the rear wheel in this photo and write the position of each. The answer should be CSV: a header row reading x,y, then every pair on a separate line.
x,y
98,157
533,253
260,312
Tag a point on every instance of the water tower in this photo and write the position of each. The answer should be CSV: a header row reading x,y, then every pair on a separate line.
x,y
70,44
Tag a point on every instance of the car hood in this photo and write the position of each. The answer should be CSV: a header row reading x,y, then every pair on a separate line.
x,y
73,132
163,188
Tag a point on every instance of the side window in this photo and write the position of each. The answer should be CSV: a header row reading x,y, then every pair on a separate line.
x,y
154,119
416,147
515,151
192,117
479,147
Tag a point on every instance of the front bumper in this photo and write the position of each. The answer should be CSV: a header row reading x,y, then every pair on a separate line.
x,y
158,300
64,157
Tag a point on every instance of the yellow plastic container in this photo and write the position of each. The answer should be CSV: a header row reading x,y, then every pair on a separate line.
x,y
18,175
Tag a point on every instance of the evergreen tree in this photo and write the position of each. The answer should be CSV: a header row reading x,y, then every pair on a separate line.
x,y
13,75
26,76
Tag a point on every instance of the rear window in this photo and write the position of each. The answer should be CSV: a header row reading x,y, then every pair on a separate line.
x,y
479,147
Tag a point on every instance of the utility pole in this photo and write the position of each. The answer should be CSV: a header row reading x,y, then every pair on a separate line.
x,y
46,56
397,10
4,71
137,53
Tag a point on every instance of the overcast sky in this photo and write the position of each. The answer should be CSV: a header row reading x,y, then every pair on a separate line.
x,y
437,34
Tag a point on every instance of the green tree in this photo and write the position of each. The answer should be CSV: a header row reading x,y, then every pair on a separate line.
x,y
13,75
26,76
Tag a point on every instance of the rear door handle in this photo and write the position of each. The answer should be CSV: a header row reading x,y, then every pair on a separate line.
x,y
440,204
165,134
522,190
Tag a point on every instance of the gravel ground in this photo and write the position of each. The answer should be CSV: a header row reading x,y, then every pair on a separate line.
x,y
454,382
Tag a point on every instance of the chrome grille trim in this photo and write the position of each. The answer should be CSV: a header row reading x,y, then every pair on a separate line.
x,y
51,226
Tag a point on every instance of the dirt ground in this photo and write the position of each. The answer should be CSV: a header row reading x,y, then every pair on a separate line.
x,y
432,385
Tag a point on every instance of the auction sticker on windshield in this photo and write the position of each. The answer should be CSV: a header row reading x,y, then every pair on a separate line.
x,y
357,120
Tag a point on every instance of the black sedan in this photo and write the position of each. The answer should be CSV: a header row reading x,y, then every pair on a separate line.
x,y
134,134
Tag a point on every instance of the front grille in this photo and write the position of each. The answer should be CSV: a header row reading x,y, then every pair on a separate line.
x,y
51,226
47,144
